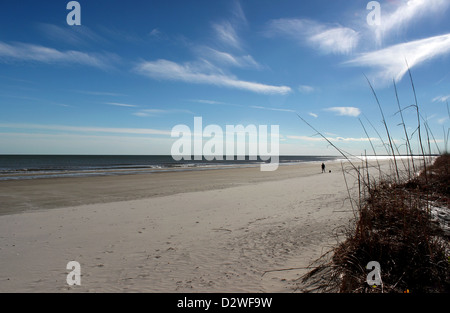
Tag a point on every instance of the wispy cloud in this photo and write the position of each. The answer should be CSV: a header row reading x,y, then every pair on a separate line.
x,y
313,115
158,112
136,131
226,30
226,33
208,101
306,89
141,114
214,102
238,14
400,14
155,33
338,40
215,60
345,111
121,104
441,98
272,109
196,73
150,112
390,63
334,39
36,53
227,59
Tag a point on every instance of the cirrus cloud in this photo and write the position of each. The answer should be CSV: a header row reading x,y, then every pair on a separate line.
x,y
37,53
92,129
345,111
197,73
390,62
441,98
397,16
330,39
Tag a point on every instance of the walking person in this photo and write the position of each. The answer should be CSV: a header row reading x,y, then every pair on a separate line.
x,y
323,168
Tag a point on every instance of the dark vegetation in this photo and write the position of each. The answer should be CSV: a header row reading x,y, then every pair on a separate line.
x,y
401,220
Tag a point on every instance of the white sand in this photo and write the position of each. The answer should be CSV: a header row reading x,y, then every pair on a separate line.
x,y
211,240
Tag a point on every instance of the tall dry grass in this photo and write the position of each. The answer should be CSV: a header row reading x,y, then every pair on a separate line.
x,y
393,222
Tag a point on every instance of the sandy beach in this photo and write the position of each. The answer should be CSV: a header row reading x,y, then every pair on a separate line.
x,y
197,231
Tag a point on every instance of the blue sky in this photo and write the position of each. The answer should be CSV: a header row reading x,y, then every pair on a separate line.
x,y
133,70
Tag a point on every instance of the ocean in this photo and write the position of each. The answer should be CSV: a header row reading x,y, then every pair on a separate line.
x,y
14,167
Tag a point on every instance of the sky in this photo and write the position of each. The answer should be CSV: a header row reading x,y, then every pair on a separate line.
x,y
133,70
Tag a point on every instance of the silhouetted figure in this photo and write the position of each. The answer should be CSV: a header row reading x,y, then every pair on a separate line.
x,y
323,168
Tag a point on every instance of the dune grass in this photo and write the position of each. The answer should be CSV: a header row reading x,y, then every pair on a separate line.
x,y
395,228
394,223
